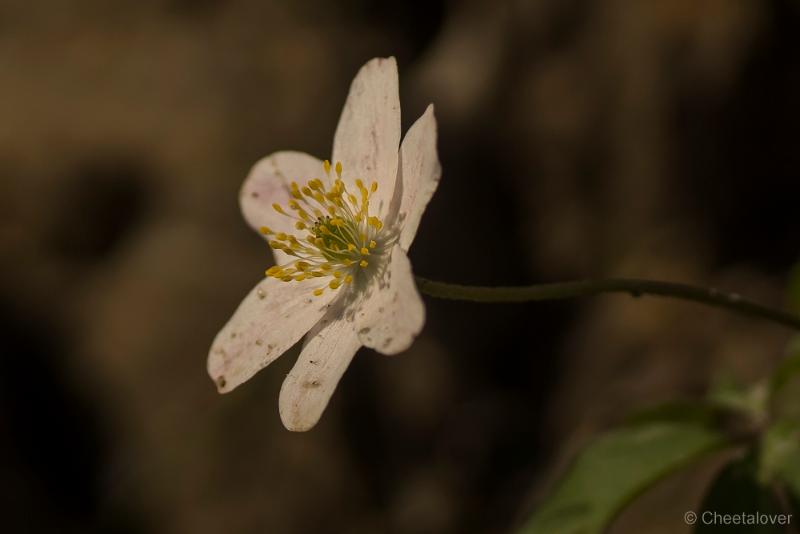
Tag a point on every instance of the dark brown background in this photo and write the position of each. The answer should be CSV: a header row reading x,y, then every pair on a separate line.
x,y
578,138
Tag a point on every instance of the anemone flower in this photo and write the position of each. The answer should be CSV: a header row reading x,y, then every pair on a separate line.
x,y
340,235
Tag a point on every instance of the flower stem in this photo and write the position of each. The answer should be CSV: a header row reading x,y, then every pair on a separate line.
x,y
586,288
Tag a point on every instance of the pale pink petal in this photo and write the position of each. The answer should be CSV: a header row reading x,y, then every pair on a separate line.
x,y
392,313
419,174
270,319
268,183
327,352
367,139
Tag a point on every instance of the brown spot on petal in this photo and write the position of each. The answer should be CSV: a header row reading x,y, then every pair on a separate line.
x,y
221,382
387,342
312,384
259,342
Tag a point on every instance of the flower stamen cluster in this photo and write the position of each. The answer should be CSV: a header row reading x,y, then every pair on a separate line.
x,y
342,235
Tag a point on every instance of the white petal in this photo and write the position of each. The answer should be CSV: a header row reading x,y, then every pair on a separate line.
x,y
392,313
368,136
327,353
268,183
419,174
272,318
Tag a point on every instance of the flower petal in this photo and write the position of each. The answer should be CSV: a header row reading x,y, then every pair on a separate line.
x,y
270,319
392,313
419,175
327,353
268,183
368,135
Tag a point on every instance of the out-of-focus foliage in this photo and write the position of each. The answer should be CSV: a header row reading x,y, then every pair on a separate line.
x,y
779,451
614,469
785,384
779,455
751,401
761,420
735,492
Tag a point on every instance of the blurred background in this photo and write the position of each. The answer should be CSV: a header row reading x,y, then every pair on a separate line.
x,y
578,139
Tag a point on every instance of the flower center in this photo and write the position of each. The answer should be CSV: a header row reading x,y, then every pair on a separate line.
x,y
343,239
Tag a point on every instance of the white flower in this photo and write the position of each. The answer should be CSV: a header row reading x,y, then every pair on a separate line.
x,y
340,237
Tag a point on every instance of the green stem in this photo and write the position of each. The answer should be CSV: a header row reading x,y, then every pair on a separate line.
x,y
586,288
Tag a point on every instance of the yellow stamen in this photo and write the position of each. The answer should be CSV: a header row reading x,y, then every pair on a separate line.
x,y
340,233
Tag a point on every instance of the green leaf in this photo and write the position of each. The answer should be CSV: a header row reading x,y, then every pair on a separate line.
x,y
613,470
738,503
